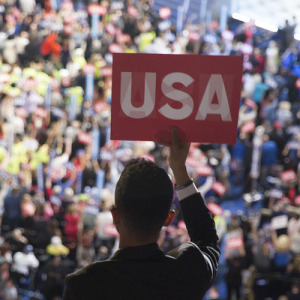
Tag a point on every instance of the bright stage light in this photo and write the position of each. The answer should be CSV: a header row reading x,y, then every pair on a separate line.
x,y
297,36
240,17
266,26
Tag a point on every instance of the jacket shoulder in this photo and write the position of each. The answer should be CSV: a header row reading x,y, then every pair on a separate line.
x,y
84,281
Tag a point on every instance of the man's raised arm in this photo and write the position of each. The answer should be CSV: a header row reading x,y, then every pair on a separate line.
x,y
198,219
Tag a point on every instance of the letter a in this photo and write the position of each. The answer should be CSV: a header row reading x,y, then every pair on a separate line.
x,y
184,98
215,85
149,96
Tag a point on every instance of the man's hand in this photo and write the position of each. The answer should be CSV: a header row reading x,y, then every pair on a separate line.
x,y
178,154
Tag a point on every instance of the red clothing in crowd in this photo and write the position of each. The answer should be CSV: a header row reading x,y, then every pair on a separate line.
x,y
71,227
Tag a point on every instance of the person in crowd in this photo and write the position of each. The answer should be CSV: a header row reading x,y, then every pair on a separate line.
x,y
103,220
23,262
72,219
139,219
55,271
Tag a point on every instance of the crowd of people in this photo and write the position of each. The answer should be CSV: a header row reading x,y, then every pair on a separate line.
x,y
59,168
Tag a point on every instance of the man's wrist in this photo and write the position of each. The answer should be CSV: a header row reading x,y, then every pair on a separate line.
x,y
181,175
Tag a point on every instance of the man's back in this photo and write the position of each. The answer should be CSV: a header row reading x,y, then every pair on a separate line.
x,y
145,272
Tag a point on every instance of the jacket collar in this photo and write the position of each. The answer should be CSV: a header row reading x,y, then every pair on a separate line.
x,y
150,251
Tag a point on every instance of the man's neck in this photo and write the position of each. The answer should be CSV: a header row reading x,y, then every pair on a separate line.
x,y
128,241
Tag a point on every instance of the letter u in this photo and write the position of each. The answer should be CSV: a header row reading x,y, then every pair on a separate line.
x,y
149,96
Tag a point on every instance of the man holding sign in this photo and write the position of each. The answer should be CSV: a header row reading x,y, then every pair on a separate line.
x,y
139,269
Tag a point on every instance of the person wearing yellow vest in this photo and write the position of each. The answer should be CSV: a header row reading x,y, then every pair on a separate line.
x,y
18,156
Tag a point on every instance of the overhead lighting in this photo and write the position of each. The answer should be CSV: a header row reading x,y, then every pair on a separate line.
x,y
297,36
266,26
241,17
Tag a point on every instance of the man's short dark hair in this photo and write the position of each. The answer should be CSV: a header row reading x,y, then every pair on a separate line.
x,y
143,196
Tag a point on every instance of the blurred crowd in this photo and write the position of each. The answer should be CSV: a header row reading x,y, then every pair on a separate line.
x,y
59,168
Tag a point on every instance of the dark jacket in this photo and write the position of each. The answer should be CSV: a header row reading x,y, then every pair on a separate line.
x,y
145,272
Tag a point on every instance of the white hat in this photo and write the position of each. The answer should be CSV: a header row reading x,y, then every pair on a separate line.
x,y
69,192
55,241
57,189
285,105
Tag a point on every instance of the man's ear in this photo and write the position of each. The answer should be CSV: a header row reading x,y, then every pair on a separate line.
x,y
170,218
115,214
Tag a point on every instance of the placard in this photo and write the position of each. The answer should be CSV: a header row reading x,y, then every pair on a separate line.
x,y
165,12
215,209
132,11
248,127
152,93
115,48
106,71
97,9
110,229
181,225
123,38
279,222
204,170
234,243
219,188
288,176
148,157
85,138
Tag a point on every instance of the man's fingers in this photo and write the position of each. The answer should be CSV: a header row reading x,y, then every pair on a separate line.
x,y
175,141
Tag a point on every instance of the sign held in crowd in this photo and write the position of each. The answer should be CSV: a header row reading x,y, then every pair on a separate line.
x,y
153,93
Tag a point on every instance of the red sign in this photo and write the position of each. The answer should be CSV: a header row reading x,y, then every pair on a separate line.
x,y
247,65
110,229
68,29
4,78
193,162
67,6
297,200
165,12
219,188
123,38
247,49
30,84
132,11
172,230
227,35
110,29
181,225
85,138
194,36
248,126
149,157
21,112
155,92
250,103
204,170
101,106
215,209
89,68
235,243
115,48
41,112
97,9
288,176
106,71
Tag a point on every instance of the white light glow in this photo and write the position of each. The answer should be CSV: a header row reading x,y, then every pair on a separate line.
x,y
297,36
240,17
266,26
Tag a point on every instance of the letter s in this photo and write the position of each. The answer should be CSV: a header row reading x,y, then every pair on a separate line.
x,y
184,98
